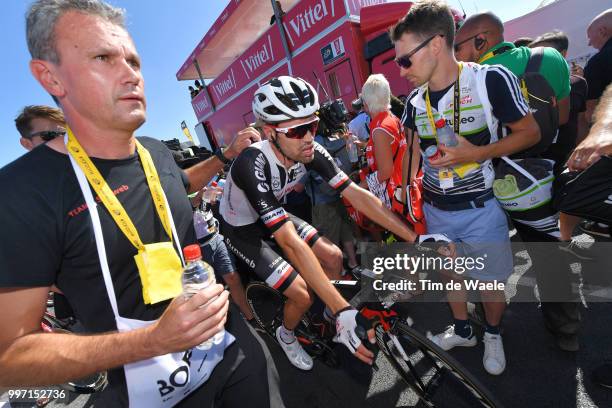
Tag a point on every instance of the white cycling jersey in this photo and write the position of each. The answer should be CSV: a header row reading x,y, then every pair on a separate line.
x,y
257,183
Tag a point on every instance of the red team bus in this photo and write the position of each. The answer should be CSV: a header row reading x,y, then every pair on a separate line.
x,y
334,44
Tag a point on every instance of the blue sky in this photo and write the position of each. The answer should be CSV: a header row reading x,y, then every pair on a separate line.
x,y
165,32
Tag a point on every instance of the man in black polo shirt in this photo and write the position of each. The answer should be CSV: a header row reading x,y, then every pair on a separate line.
x,y
56,232
590,183
598,73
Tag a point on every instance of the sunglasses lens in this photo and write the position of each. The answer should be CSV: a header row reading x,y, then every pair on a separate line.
x,y
46,136
300,131
404,62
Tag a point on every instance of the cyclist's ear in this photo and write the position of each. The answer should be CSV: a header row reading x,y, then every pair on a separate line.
x,y
268,132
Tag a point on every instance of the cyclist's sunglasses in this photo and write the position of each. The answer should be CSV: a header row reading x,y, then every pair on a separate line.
x,y
299,131
48,135
404,60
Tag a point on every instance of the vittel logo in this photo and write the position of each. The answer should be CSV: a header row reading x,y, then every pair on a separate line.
x,y
307,19
201,105
225,85
252,62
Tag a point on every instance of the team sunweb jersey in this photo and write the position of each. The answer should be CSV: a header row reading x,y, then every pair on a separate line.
x,y
483,90
257,183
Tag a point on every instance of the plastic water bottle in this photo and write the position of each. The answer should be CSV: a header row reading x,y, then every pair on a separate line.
x,y
221,183
446,135
200,224
198,275
351,147
210,194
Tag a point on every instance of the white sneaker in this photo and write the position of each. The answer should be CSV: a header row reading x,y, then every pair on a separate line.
x,y
494,359
448,339
295,353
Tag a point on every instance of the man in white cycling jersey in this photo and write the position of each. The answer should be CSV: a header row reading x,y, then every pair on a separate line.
x,y
251,210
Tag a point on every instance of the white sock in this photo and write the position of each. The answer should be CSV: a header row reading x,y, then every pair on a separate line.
x,y
286,335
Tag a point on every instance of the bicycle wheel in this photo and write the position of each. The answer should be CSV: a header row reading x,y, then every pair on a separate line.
x,y
266,304
438,379
87,385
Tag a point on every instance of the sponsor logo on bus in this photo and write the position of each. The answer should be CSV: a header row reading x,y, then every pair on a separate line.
x,y
308,18
225,85
250,63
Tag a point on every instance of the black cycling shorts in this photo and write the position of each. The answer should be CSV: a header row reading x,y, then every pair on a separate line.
x,y
586,194
255,247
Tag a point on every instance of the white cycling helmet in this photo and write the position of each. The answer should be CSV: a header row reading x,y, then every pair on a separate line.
x,y
285,98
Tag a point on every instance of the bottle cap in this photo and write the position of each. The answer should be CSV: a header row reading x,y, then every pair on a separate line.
x,y
440,123
214,184
192,252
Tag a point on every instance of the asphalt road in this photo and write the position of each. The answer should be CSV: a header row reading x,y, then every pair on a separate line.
x,y
537,374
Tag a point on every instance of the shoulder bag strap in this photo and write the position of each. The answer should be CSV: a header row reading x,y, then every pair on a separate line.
x,y
535,60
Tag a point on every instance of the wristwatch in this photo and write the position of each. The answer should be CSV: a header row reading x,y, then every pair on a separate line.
x,y
221,156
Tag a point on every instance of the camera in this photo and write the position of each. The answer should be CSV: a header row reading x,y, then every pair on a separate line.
x,y
333,117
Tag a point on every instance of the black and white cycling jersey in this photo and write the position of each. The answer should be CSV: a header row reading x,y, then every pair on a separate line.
x,y
258,181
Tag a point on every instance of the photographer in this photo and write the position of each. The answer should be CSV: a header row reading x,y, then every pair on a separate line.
x,y
329,215
360,124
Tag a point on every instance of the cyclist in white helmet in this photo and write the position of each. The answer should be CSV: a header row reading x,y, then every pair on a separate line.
x,y
296,261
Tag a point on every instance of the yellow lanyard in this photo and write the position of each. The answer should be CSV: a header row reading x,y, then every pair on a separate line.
x,y
493,53
455,112
109,199
486,57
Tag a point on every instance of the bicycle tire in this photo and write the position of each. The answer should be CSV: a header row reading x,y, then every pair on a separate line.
x,y
87,385
266,304
462,388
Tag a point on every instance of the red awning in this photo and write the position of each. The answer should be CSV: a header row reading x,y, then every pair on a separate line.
x,y
240,24
373,19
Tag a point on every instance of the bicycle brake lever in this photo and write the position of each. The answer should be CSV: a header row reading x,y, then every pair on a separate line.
x,y
363,336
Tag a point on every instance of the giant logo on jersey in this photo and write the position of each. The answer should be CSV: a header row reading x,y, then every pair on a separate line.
x,y
274,217
258,171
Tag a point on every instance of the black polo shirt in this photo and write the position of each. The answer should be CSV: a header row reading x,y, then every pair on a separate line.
x,y
598,71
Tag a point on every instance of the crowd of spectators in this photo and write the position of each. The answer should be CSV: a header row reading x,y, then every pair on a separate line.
x,y
381,127
195,89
